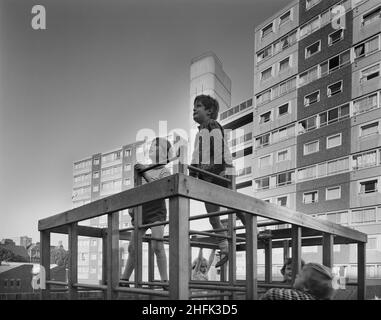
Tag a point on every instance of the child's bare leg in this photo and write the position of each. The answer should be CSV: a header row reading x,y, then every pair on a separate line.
x,y
130,265
158,248
216,224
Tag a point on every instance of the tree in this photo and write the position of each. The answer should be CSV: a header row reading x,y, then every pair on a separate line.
x,y
6,255
60,257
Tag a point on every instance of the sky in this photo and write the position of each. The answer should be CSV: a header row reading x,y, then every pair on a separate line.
x,y
100,72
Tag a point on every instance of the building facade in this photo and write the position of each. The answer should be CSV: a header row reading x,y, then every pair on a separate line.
x,y
317,117
95,177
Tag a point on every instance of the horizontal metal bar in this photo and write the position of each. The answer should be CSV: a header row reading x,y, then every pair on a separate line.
x,y
207,173
153,224
217,287
56,283
212,214
90,286
210,234
127,229
205,295
150,292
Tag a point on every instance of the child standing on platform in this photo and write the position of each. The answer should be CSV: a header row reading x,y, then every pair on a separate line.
x,y
215,159
153,211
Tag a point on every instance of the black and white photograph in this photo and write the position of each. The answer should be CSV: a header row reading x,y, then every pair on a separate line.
x,y
208,151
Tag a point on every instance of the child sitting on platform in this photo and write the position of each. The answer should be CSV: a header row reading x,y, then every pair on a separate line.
x,y
313,283
153,211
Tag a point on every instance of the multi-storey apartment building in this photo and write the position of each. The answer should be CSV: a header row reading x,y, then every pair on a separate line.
x,y
317,118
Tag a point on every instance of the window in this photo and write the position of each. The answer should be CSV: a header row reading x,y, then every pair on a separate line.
x,y
11,283
335,88
311,3
365,160
127,153
266,117
307,125
313,49
370,73
96,161
5,283
267,30
96,188
285,17
365,104
284,64
369,129
312,98
127,182
333,193
334,141
127,167
265,161
371,16
264,97
367,48
266,74
307,173
282,201
311,147
335,37
284,178
310,197
262,141
364,216
267,52
368,186
263,183
282,155
336,166
96,175
283,110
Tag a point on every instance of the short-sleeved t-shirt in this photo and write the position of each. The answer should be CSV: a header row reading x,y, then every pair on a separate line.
x,y
156,210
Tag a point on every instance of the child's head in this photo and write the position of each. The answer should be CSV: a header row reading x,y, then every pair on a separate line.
x,y
315,279
160,150
203,265
286,270
205,108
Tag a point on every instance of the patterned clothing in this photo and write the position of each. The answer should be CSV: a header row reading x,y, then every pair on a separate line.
x,y
217,157
156,210
287,294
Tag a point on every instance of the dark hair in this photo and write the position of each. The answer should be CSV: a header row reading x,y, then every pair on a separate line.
x,y
288,262
160,142
319,282
210,104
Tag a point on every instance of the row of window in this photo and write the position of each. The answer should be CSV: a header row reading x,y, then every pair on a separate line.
x,y
240,140
12,283
331,193
356,162
316,72
332,14
354,217
105,158
364,104
230,112
366,130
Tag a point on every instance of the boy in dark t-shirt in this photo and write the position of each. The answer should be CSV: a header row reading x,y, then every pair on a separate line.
x,y
211,153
